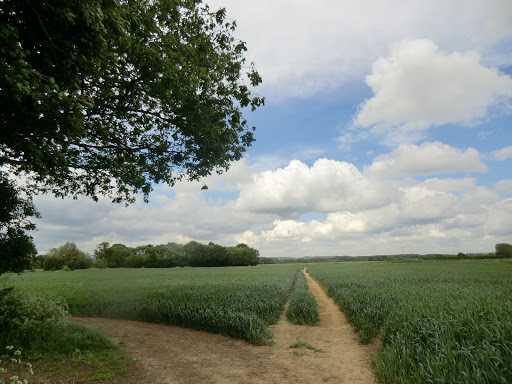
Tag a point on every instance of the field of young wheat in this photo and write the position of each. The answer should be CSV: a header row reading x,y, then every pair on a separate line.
x,y
439,321
238,302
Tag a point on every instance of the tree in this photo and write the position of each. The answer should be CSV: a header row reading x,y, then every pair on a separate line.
x,y
109,97
242,254
195,253
504,250
114,255
68,255
16,247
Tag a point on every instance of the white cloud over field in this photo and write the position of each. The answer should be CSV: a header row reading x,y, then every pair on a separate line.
x,y
356,211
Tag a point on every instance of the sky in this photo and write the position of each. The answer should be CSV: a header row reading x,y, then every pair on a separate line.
x,y
387,129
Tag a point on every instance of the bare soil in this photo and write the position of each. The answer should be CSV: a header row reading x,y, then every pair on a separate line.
x,y
168,354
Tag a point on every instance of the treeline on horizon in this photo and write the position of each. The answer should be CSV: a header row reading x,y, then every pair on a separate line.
x,y
194,254
503,251
170,255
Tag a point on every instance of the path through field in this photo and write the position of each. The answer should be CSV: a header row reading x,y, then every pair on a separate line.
x,y
167,354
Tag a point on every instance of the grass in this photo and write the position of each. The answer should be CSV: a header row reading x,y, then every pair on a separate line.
x,y
302,307
85,366
239,301
439,321
303,344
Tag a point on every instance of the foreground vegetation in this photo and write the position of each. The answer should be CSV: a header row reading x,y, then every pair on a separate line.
x,y
35,328
238,302
439,322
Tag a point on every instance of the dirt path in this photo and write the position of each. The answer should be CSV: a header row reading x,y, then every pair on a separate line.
x,y
167,354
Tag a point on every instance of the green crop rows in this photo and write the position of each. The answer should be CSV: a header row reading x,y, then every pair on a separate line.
x,y
302,308
439,322
238,301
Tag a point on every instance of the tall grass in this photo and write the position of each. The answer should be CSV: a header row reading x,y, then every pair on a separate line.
x,y
302,306
440,322
235,301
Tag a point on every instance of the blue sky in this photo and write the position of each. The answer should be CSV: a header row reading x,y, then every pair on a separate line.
x,y
387,129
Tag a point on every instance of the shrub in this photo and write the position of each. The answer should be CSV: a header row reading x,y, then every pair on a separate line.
x,y
38,326
24,315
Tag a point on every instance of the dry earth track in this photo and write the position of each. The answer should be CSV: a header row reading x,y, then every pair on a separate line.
x,y
167,354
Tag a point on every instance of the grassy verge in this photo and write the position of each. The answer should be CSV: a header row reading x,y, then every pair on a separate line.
x,y
302,307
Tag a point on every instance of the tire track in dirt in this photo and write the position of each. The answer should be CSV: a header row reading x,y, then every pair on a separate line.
x,y
168,354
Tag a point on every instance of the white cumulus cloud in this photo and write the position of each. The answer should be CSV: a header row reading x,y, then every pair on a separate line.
x,y
326,186
503,154
504,186
418,85
425,159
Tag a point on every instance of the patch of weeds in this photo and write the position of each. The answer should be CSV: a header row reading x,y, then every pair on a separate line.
x,y
303,344
89,366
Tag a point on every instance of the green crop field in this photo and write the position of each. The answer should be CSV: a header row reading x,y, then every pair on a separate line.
x,y
439,321
237,301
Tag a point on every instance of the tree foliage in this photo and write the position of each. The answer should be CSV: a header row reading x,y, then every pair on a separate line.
x,y
67,255
16,247
107,97
171,255
504,250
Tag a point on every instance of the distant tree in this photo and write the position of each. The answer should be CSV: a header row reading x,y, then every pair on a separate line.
x,y
117,254
67,255
195,253
503,250
242,254
135,260
101,250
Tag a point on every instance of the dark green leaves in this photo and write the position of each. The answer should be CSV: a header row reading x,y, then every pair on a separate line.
x,y
109,97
